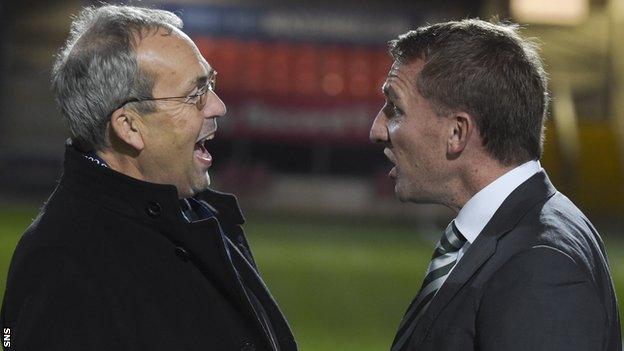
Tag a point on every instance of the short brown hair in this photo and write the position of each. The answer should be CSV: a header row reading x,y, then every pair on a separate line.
x,y
489,71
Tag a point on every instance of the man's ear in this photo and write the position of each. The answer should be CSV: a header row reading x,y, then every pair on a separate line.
x,y
462,127
126,126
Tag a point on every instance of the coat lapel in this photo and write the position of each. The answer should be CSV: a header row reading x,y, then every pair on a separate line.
x,y
229,268
219,266
207,248
232,267
253,280
535,190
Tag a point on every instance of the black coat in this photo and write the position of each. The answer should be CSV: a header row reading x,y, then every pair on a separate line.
x,y
110,264
535,279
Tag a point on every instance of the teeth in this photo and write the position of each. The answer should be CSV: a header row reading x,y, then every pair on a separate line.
x,y
206,138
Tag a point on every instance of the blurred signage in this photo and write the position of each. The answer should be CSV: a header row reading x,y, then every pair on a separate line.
x,y
297,91
261,69
296,74
292,24
297,121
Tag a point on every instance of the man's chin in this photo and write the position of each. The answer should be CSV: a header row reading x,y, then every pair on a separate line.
x,y
400,193
202,184
415,197
406,194
401,196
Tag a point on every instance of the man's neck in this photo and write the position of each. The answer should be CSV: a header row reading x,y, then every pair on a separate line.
x,y
476,176
122,164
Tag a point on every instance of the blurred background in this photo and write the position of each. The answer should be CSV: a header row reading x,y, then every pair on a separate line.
x,y
302,82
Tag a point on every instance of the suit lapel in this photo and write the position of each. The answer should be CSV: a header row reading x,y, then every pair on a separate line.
x,y
535,190
480,251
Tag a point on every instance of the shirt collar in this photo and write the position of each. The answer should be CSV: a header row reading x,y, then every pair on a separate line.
x,y
478,211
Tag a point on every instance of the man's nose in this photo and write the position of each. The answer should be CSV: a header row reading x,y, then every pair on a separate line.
x,y
214,106
378,131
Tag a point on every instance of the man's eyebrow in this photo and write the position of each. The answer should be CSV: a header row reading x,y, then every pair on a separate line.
x,y
200,81
388,91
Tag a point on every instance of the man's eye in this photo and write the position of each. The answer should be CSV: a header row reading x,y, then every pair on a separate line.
x,y
396,111
193,98
392,110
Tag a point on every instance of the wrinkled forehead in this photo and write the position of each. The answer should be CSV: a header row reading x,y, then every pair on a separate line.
x,y
171,55
405,75
406,69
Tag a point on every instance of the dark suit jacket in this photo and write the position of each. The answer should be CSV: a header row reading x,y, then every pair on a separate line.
x,y
536,278
110,264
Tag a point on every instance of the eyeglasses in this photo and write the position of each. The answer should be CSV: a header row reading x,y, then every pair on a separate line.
x,y
198,99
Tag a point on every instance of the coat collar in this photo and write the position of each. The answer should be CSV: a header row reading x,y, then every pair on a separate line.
x,y
159,206
535,190
136,198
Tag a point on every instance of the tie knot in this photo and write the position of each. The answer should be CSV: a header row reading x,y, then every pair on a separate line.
x,y
452,240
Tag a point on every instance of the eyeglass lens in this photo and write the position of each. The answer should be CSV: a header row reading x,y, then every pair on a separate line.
x,y
201,102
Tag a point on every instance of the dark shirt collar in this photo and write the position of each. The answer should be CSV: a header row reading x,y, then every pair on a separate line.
x,y
95,158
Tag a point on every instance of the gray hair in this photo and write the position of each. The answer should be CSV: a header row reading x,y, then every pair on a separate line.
x,y
96,71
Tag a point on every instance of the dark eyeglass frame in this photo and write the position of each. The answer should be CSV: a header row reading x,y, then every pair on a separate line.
x,y
198,99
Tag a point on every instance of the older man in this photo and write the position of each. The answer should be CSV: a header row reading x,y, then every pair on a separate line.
x,y
133,251
520,267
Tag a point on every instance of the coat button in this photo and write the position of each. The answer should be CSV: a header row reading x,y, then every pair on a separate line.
x,y
182,253
153,209
248,347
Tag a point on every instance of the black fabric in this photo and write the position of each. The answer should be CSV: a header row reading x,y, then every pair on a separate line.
x,y
196,210
536,278
110,264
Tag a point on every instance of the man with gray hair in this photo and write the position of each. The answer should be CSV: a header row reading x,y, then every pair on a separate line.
x,y
133,251
520,268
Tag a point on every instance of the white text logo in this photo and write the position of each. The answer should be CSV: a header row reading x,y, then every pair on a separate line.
x,y
7,337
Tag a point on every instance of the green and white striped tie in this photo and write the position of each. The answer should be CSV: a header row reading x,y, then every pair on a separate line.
x,y
442,262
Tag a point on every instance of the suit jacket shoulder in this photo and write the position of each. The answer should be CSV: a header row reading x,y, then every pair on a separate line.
x,y
536,278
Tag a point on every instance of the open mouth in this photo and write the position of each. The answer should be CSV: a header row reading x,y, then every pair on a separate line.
x,y
201,152
391,158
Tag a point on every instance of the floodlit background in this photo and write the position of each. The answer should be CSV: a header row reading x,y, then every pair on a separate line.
x,y
301,81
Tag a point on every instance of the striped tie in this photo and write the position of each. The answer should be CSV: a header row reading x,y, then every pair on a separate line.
x,y
443,260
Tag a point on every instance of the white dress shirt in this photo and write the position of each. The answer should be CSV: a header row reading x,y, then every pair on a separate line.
x,y
478,211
